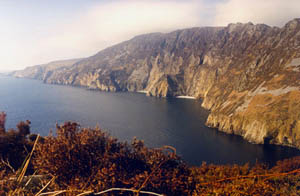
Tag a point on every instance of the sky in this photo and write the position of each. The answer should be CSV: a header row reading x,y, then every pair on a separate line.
x,y
39,31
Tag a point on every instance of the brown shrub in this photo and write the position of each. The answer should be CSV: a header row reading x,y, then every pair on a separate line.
x,y
259,180
88,159
92,160
2,122
14,147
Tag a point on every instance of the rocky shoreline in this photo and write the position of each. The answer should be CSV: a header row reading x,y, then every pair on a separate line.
x,y
246,74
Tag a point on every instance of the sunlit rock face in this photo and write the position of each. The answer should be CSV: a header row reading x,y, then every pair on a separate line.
x,y
247,75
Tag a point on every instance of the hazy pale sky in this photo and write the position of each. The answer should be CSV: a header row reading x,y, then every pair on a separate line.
x,y
38,31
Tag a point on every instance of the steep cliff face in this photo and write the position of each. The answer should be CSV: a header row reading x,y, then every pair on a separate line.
x,y
247,75
259,96
162,64
42,72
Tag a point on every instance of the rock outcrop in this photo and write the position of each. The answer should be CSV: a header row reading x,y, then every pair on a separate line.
x,y
247,75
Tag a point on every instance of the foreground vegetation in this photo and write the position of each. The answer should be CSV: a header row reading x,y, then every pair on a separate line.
x,y
80,161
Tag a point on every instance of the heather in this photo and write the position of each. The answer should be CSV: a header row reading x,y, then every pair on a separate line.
x,y
88,161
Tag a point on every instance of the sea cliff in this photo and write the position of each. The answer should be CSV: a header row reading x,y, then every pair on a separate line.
x,y
247,75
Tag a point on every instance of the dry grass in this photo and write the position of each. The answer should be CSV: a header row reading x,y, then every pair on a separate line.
x,y
80,161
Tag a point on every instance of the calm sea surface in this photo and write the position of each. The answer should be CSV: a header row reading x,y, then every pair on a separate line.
x,y
175,122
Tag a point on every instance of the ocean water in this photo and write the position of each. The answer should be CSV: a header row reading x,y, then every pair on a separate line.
x,y
157,121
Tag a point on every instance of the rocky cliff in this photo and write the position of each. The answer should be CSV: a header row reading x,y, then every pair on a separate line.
x,y
247,75
42,72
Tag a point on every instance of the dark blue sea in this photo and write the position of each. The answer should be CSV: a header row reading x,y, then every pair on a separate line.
x,y
157,121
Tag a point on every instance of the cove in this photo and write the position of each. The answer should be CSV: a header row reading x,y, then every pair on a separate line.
x,y
158,121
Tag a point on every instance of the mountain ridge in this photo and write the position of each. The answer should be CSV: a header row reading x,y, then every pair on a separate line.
x,y
41,72
246,74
